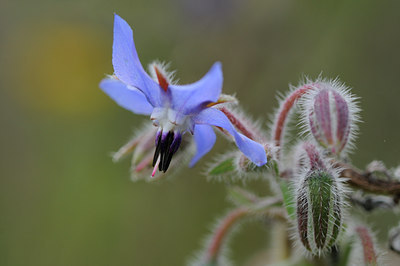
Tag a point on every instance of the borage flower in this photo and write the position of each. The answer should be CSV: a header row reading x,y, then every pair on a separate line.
x,y
174,109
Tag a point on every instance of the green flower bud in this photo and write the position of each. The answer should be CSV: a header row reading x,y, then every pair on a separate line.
x,y
319,214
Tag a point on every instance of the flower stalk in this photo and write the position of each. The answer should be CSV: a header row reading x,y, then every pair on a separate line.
x,y
237,123
222,231
367,243
259,208
368,181
284,111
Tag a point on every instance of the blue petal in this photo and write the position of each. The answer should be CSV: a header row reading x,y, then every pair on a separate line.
x,y
205,138
127,97
187,99
253,150
127,66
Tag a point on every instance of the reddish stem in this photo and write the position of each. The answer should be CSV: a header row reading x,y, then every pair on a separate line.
x,y
368,245
285,110
222,231
368,181
237,123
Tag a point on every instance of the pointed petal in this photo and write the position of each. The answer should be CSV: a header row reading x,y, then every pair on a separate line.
x,y
205,139
189,98
253,150
127,66
125,96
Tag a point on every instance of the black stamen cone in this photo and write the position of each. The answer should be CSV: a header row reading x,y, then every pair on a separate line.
x,y
166,156
165,149
158,148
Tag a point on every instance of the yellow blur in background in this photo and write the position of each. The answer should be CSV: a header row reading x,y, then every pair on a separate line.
x,y
63,201
58,60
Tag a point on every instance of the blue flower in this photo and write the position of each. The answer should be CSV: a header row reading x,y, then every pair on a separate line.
x,y
174,109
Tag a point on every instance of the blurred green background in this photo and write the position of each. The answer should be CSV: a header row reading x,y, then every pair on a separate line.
x,y
63,201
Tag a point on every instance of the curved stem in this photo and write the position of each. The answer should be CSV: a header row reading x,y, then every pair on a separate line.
x,y
222,230
368,245
368,181
237,123
284,111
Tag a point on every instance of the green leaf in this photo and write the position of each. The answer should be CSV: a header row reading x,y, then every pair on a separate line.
x,y
223,167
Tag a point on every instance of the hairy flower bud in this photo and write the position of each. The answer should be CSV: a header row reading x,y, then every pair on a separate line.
x,y
319,203
330,113
318,212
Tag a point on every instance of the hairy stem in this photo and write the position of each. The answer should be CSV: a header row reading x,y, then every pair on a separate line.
x,y
368,245
238,124
219,236
222,230
284,111
369,182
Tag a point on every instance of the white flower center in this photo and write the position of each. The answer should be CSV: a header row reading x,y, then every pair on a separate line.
x,y
170,120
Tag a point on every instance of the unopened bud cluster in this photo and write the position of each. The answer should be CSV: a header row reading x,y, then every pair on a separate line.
x,y
329,115
319,204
